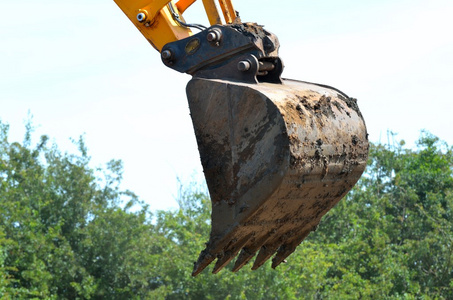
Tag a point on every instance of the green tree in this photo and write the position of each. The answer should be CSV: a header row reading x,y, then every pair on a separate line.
x,y
66,230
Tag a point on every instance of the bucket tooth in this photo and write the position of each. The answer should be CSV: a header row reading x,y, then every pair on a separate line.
x,y
265,253
244,257
280,256
283,252
288,248
222,262
203,261
276,157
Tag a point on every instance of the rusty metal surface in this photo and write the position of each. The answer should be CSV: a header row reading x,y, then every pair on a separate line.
x,y
276,158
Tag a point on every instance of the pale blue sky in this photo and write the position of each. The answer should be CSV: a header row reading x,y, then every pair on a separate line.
x,y
82,67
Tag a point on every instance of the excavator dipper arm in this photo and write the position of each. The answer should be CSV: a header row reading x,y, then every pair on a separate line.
x,y
277,154
161,21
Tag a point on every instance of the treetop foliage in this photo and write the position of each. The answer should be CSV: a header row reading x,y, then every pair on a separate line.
x,y
68,231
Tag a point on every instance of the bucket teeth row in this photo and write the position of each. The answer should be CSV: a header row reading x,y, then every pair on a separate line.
x,y
268,245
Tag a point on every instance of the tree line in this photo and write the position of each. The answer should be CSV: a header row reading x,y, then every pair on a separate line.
x,y
68,231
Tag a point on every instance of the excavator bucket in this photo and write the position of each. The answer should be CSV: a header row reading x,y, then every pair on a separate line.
x,y
276,157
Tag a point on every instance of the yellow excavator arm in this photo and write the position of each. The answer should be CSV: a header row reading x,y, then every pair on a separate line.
x,y
161,21
277,154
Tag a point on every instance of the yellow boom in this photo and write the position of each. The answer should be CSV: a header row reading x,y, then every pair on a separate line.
x,y
161,21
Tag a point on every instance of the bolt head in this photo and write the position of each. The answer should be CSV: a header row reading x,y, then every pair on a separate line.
x,y
166,54
211,36
141,17
244,65
214,35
